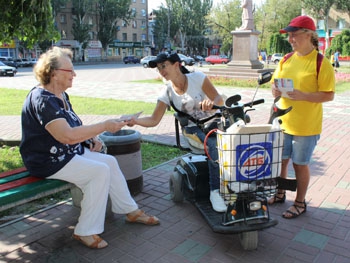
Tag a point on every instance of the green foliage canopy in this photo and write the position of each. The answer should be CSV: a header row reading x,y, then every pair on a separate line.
x,y
27,20
110,12
81,27
182,21
270,18
225,18
341,42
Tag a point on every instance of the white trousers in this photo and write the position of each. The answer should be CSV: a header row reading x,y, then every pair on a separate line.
x,y
97,175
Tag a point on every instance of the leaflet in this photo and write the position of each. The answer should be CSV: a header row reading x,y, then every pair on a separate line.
x,y
284,85
130,116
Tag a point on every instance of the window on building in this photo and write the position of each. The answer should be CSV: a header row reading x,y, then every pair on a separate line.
x,y
143,1
90,20
143,37
320,24
134,24
91,35
124,24
134,37
341,23
143,23
133,11
63,19
143,12
124,37
134,1
63,34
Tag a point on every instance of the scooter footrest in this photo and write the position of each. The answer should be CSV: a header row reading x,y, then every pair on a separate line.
x,y
286,184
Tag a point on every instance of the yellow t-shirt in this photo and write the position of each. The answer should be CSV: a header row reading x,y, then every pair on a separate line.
x,y
305,119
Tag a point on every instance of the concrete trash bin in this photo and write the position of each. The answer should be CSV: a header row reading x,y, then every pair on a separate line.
x,y
125,146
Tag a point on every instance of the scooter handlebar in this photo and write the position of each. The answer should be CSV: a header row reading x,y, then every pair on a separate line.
x,y
254,102
248,104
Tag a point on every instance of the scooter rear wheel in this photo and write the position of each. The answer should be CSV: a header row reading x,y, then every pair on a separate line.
x,y
249,240
175,186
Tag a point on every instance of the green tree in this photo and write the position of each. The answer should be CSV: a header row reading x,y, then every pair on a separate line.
x,y
189,15
184,22
341,42
110,12
223,20
278,44
160,29
270,18
27,20
343,5
81,27
320,10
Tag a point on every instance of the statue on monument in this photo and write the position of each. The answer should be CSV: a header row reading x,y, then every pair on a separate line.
x,y
247,15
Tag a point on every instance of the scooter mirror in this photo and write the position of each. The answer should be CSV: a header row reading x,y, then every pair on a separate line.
x,y
264,77
232,100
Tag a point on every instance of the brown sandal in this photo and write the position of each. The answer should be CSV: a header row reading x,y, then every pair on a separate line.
x,y
142,218
277,198
299,210
97,241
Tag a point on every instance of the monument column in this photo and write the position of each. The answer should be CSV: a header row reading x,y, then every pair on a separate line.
x,y
245,49
245,40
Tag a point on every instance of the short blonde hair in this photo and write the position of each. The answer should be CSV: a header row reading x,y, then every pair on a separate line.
x,y
48,62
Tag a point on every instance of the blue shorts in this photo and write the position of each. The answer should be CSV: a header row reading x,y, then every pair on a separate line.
x,y
299,148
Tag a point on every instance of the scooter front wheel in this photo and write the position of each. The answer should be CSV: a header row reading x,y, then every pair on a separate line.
x,y
175,186
249,240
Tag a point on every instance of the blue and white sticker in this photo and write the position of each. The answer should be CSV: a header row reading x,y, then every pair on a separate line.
x,y
253,161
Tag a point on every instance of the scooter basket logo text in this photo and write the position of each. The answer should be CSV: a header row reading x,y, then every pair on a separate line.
x,y
253,161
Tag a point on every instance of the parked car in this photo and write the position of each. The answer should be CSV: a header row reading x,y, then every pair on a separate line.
x,y
9,61
19,62
198,58
217,59
275,58
187,61
7,70
131,59
23,62
26,62
33,61
145,60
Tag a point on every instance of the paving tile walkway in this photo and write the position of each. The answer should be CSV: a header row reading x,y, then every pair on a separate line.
x,y
320,235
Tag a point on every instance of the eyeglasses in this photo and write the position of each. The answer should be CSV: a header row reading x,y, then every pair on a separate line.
x,y
66,70
295,34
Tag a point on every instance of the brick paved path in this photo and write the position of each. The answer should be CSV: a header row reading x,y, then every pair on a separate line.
x,y
320,235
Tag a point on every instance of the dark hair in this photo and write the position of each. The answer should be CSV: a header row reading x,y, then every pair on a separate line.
x,y
184,70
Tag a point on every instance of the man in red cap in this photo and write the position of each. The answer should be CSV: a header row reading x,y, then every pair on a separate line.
x,y
303,125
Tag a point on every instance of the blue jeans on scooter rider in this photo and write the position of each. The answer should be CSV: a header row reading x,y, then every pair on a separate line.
x,y
194,94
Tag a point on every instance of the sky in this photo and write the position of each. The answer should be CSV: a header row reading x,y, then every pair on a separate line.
x,y
154,4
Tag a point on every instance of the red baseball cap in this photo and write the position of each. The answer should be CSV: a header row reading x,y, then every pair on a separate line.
x,y
298,23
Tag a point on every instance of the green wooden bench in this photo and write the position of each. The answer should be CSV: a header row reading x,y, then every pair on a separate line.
x,y
19,187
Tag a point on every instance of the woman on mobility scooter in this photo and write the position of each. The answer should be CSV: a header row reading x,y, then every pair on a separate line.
x,y
193,94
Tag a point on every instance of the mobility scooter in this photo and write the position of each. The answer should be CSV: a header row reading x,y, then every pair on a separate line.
x,y
250,164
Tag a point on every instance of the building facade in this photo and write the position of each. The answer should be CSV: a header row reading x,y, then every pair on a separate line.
x,y
131,37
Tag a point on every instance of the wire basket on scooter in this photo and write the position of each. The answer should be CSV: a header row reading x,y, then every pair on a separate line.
x,y
249,160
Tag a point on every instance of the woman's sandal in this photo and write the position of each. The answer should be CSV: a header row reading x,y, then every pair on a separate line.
x,y
93,241
142,218
277,198
298,210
